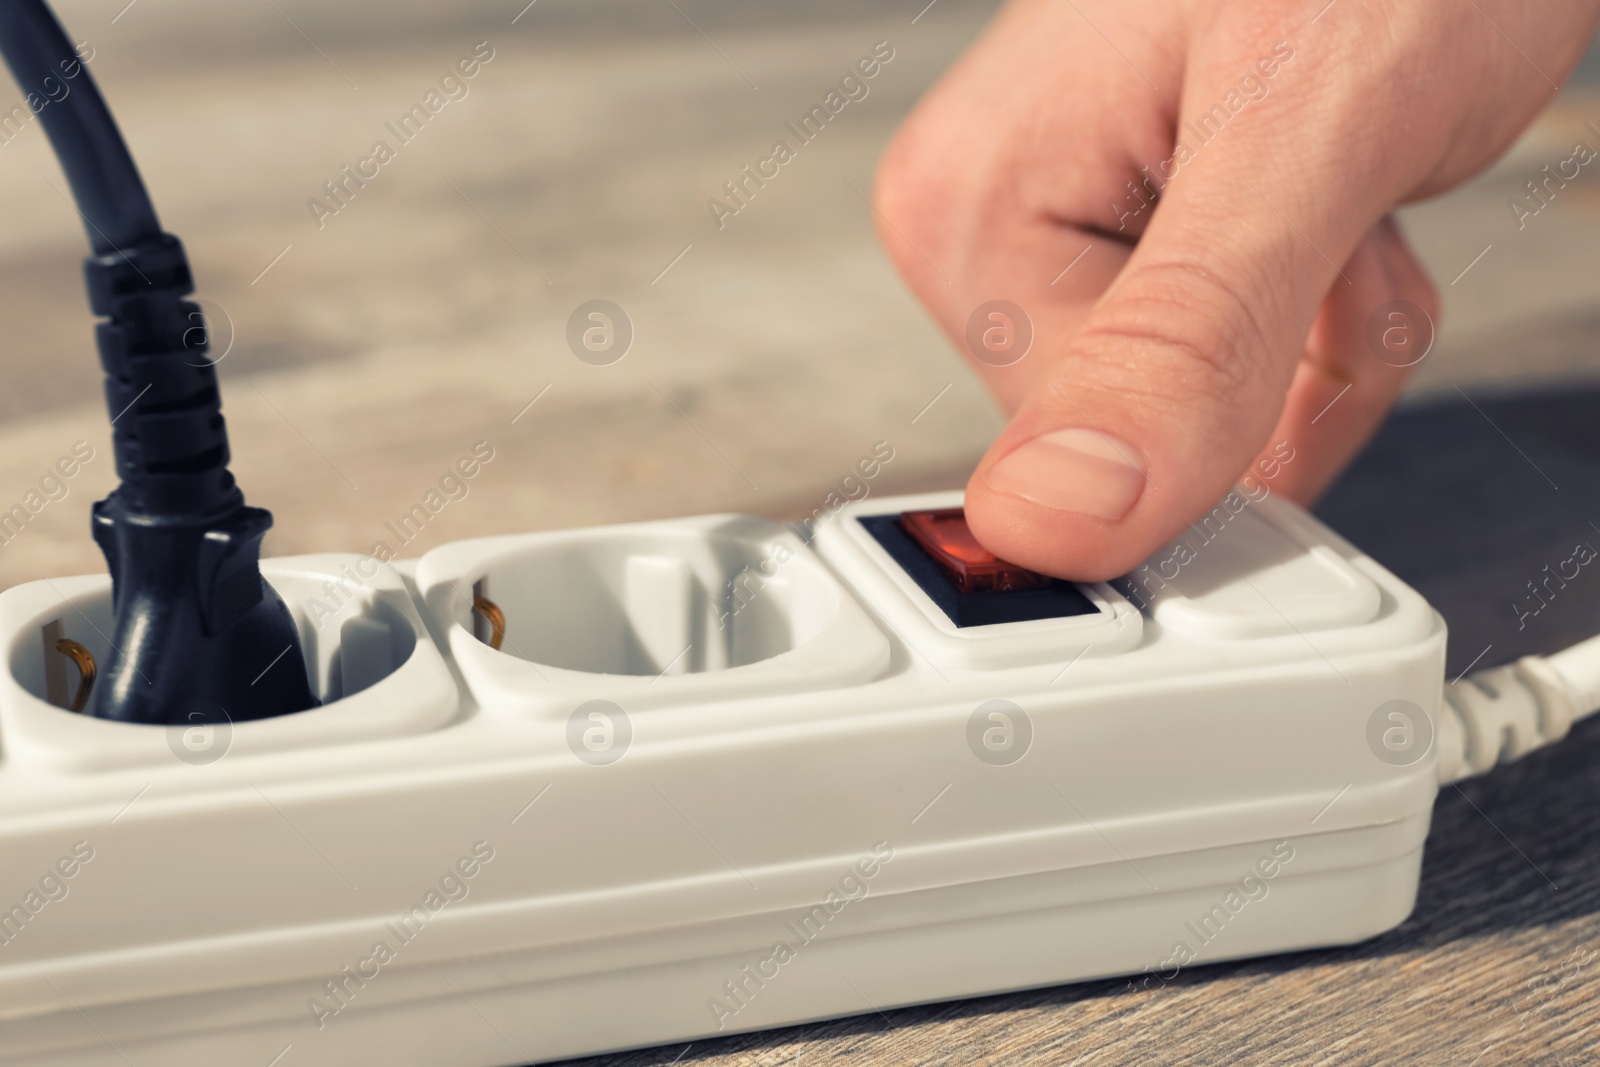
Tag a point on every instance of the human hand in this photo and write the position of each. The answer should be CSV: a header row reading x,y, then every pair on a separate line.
x,y
1219,329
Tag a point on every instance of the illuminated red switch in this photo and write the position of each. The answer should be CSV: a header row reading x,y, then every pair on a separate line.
x,y
943,534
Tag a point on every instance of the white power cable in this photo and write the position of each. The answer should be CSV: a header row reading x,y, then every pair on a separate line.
x,y
1503,713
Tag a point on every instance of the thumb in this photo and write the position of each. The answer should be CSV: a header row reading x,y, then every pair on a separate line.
x,y
1178,377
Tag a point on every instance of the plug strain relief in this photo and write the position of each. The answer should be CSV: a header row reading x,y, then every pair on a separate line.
x,y
1501,714
168,433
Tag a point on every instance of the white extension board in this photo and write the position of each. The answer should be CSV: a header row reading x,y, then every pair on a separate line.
x,y
714,780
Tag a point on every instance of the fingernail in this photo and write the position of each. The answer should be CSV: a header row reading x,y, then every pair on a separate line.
x,y
1076,470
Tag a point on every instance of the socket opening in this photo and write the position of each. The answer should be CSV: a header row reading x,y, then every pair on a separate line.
x,y
348,648
368,658
656,602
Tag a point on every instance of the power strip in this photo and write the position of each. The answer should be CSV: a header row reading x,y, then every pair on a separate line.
x,y
714,779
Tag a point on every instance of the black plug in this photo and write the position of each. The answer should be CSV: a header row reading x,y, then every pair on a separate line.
x,y
198,631
197,627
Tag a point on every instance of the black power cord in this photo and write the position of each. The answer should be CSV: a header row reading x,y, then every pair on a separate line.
x,y
200,635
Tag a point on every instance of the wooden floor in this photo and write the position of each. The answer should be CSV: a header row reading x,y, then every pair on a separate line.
x,y
429,313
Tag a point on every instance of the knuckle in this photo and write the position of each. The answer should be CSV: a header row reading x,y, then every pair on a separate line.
x,y
911,195
1188,330
1168,370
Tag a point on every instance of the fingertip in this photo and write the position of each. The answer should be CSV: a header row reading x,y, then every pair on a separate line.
x,y
1075,471
1021,527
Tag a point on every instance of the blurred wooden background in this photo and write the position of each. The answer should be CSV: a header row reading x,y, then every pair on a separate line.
x,y
365,356
430,311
